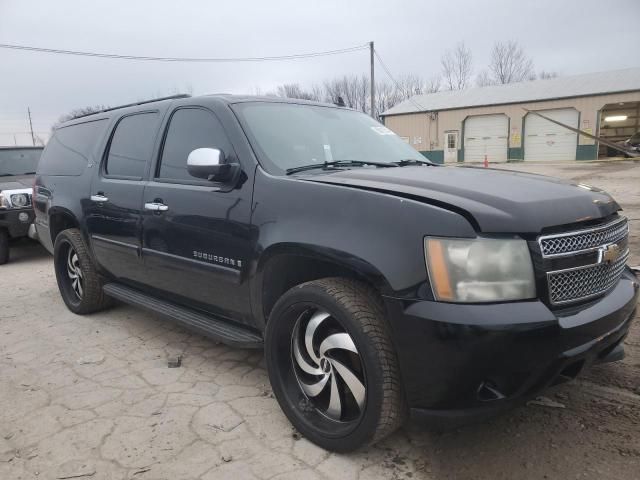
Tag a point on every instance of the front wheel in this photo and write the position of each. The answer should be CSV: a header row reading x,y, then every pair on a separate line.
x,y
332,366
79,284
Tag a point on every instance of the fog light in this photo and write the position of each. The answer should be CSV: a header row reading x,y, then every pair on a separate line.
x,y
23,217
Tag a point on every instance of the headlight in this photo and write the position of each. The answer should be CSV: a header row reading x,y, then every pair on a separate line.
x,y
19,200
479,269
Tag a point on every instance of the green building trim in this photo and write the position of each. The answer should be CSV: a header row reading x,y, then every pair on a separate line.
x,y
436,156
587,152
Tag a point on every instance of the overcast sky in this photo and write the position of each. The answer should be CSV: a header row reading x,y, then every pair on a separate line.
x,y
569,37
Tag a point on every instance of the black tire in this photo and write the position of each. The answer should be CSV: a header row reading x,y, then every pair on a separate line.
x,y
355,309
4,246
90,297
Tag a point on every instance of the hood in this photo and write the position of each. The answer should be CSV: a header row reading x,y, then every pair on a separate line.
x,y
16,183
497,200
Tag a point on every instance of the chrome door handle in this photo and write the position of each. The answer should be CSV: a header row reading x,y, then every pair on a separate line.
x,y
99,198
156,207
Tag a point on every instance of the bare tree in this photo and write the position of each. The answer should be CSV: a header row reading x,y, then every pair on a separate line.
x,y
544,75
509,63
484,79
294,90
78,112
457,67
410,85
387,96
318,93
433,84
353,90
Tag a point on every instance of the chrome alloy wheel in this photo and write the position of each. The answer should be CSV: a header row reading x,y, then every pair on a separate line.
x,y
327,366
74,272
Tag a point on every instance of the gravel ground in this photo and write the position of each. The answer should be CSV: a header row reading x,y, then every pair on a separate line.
x,y
92,398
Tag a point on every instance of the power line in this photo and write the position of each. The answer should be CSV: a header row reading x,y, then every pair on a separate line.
x,y
183,59
386,70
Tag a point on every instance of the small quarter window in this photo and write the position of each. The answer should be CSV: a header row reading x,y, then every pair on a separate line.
x,y
132,145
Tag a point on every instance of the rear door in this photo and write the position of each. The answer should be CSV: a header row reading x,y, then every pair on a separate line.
x,y
196,248
114,210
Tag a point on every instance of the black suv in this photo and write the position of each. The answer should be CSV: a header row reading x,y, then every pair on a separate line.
x,y
378,283
17,171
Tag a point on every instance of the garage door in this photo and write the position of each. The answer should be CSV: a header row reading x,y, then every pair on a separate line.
x,y
486,134
546,141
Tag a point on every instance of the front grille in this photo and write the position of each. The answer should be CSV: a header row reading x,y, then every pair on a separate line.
x,y
584,282
585,251
583,240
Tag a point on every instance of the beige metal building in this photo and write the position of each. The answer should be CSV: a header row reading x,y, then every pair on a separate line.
x,y
466,125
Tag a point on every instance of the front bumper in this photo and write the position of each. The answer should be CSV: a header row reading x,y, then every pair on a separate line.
x,y
461,360
17,228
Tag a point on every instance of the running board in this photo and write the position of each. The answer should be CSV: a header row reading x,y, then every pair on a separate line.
x,y
207,325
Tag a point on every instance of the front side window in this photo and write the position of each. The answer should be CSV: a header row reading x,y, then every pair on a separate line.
x,y
132,145
190,128
289,135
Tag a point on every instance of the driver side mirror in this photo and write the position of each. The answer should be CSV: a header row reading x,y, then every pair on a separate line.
x,y
208,163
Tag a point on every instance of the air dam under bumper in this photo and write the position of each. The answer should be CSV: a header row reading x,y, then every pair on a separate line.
x,y
461,360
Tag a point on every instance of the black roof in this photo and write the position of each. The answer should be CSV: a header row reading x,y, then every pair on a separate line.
x,y
224,97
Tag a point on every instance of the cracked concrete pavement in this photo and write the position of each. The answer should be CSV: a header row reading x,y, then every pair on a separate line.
x,y
92,397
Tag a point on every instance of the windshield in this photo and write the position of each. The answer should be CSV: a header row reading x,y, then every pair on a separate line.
x,y
19,161
287,135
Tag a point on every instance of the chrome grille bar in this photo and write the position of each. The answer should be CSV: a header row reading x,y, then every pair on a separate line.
x,y
583,241
581,283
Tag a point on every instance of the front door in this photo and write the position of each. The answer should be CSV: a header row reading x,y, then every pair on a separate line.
x,y
451,146
196,234
114,210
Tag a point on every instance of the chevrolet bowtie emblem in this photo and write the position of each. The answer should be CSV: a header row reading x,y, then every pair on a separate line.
x,y
608,253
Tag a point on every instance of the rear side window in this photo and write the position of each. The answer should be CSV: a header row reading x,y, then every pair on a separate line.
x,y
190,128
131,145
69,149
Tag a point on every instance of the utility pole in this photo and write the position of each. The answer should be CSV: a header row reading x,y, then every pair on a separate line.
x,y
373,84
33,138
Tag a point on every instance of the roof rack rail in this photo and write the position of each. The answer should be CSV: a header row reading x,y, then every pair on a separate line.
x,y
170,97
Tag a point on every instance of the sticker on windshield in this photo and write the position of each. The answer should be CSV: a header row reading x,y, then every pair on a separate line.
x,y
382,131
328,157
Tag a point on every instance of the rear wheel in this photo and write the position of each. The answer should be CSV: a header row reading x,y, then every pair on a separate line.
x,y
4,246
79,283
332,365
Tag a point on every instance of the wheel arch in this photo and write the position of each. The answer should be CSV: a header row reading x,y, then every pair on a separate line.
x,y
61,219
285,265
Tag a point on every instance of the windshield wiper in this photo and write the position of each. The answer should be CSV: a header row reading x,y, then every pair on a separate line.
x,y
6,174
413,161
338,163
